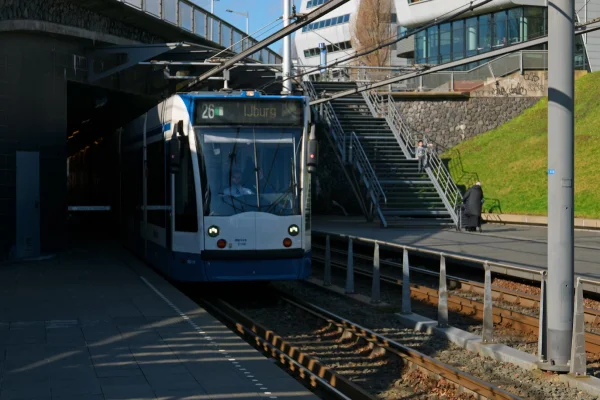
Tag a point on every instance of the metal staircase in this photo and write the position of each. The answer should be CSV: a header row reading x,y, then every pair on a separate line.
x,y
352,153
378,131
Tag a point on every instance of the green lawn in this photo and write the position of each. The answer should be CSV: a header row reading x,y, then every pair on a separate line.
x,y
511,161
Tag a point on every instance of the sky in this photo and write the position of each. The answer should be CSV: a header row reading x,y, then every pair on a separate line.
x,y
261,13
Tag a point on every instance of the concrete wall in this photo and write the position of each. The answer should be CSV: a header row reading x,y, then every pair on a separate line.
x,y
67,13
449,122
38,41
33,117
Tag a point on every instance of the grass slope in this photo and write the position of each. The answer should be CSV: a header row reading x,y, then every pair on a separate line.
x,y
511,161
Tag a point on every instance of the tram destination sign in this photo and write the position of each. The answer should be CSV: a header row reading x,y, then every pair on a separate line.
x,y
249,112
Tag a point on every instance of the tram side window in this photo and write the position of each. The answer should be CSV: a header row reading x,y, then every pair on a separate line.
x,y
186,215
157,213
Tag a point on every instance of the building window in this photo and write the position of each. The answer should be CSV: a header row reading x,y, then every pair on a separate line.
x,y
326,23
432,45
476,35
500,29
314,3
534,22
421,47
331,48
458,40
445,42
515,25
485,33
471,36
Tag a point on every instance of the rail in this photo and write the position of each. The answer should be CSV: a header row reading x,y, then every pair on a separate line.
x,y
409,356
464,305
194,19
360,161
435,168
298,362
578,349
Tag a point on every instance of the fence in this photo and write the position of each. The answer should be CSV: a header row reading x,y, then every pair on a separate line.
x,y
189,17
450,81
578,355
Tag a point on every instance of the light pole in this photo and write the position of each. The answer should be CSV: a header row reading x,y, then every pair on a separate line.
x,y
287,55
560,185
245,14
212,6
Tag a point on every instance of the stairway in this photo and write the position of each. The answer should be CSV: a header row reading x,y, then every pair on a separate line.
x,y
412,197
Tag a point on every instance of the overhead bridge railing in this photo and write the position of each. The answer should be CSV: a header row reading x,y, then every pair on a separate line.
x,y
188,16
351,150
578,354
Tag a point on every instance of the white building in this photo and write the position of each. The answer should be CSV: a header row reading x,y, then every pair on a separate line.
x,y
335,31
495,25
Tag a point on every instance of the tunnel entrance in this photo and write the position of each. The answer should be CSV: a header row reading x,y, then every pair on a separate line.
x,y
94,115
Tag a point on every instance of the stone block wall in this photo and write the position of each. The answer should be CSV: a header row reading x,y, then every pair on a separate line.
x,y
449,122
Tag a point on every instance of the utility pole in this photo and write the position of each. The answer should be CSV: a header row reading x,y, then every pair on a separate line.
x,y
560,184
287,53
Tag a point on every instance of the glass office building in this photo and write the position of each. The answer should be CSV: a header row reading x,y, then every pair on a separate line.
x,y
466,37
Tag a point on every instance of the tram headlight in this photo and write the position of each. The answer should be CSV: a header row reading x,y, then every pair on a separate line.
x,y
293,230
213,231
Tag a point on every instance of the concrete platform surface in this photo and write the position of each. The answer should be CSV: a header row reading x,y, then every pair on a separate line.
x,y
96,323
519,245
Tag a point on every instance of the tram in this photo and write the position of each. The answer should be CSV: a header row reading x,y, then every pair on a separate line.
x,y
216,186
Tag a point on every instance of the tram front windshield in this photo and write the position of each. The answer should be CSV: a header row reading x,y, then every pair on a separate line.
x,y
250,169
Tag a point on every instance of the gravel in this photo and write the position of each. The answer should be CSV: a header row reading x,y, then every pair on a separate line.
x,y
387,377
525,384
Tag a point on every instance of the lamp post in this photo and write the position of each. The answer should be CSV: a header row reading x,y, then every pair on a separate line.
x,y
212,6
245,14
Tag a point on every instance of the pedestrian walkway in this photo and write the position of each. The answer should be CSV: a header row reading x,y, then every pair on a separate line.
x,y
96,323
519,245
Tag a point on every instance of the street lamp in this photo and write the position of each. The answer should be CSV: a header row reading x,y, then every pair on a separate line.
x,y
245,14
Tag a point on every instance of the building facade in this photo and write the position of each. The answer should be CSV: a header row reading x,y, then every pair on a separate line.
x,y
495,25
498,24
335,30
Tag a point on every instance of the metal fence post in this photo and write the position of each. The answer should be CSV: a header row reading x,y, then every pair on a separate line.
x,y
443,296
542,340
350,270
406,308
578,359
375,288
521,62
487,333
327,274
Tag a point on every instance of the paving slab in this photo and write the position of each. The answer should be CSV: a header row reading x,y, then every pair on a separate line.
x,y
96,323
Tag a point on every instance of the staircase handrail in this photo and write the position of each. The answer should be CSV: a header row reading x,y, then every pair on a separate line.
x,y
435,168
369,168
362,162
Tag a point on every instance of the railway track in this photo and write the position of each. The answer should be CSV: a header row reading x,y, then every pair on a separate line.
x,y
472,308
374,347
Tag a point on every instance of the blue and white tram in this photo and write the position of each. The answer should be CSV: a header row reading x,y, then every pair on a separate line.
x,y
215,186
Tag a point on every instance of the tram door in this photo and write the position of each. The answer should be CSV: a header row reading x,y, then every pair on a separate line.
x,y
28,204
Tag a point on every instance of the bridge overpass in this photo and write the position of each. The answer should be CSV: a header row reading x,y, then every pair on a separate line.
x,y
70,73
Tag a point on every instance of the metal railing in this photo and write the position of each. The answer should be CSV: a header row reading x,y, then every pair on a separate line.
x,y
578,354
194,19
356,156
446,81
435,168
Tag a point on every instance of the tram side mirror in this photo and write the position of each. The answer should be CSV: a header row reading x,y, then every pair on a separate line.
x,y
175,149
313,152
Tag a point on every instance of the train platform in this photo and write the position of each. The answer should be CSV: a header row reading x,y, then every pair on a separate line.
x,y
513,244
96,323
